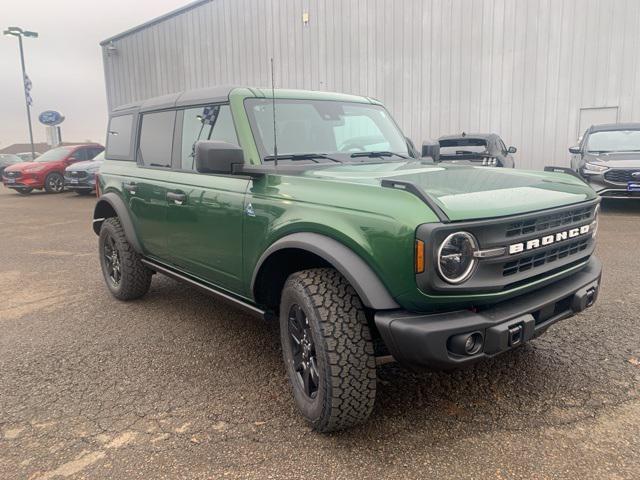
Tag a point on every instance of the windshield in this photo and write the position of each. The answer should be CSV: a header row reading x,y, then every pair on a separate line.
x,y
54,155
323,127
614,141
462,146
9,157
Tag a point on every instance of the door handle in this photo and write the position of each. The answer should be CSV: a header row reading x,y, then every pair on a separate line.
x,y
130,187
178,198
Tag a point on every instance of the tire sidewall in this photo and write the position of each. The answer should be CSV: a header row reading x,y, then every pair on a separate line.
x,y
311,409
107,231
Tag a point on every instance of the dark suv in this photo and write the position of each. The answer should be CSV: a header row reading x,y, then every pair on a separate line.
x,y
478,149
319,213
608,158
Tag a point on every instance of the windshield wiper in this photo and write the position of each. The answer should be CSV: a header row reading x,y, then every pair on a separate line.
x,y
378,154
301,156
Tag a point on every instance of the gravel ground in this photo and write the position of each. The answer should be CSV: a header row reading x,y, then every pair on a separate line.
x,y
178,385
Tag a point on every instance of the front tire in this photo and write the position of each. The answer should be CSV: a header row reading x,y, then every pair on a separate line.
x,y
124,273
54,183
327,349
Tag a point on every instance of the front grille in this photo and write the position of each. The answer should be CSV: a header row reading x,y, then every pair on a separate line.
x,y
548,222
505,271
77,174
12,174
620,176
543,258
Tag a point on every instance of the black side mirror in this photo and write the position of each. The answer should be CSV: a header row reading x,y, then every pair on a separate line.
x,y
512,149
431,149
217,157
575,150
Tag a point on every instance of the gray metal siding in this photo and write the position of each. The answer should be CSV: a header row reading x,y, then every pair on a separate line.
x,y
520,68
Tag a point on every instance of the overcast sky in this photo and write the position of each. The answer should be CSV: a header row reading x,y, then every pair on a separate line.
x,y
64,63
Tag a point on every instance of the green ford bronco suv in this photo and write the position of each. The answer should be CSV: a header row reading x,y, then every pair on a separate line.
x,y
322,214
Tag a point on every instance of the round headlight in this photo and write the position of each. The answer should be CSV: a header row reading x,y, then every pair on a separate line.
x,y
456,260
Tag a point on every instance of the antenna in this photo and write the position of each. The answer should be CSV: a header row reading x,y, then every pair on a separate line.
x,y
273,100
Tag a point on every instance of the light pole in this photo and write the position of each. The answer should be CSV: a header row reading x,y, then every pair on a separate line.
x,y
18,32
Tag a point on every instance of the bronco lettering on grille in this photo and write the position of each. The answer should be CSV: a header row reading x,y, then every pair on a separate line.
x,y
548,239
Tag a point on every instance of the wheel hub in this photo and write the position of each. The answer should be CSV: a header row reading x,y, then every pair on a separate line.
x,y
112,260
303,351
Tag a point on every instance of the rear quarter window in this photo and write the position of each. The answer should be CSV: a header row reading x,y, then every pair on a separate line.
x,y
119,138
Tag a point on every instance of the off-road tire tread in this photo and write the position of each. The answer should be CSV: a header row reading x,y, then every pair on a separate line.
x,y
350,378
136,278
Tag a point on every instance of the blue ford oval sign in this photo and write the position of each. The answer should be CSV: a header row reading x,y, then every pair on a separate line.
x,y
50,117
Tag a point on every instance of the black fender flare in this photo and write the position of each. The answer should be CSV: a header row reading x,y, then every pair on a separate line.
x,y
112,202
358,273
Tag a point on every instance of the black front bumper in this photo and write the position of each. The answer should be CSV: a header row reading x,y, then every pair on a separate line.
x,y
428,339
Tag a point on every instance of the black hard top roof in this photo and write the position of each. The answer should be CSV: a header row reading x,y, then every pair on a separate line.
x,y
479,136
189,97
603,127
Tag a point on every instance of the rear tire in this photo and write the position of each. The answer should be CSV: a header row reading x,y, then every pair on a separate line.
x,y
124,273
54,183
327,349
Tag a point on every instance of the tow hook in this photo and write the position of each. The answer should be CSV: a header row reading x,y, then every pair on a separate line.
x,y
585,297
591,296
515,335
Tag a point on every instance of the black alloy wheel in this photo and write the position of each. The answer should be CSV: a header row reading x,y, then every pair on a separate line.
x,y
327,349
305,362
125,275
112,261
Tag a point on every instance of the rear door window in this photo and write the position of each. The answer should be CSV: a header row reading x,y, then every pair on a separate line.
x,y
156,139
209,122
93,152
79,155
119,137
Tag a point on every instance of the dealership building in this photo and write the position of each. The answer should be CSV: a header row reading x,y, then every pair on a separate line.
x,y
537,72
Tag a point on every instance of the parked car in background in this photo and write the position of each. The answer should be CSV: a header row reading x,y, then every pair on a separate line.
x,y
27,156
608,158
47,171
486,149
81,177
7,159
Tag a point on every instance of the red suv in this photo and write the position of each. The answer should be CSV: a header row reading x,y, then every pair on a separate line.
x,y
47,171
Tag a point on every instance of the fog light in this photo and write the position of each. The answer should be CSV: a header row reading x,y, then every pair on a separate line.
x,y
466,343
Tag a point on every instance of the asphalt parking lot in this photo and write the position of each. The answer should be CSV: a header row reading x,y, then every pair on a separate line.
x,y
178,385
